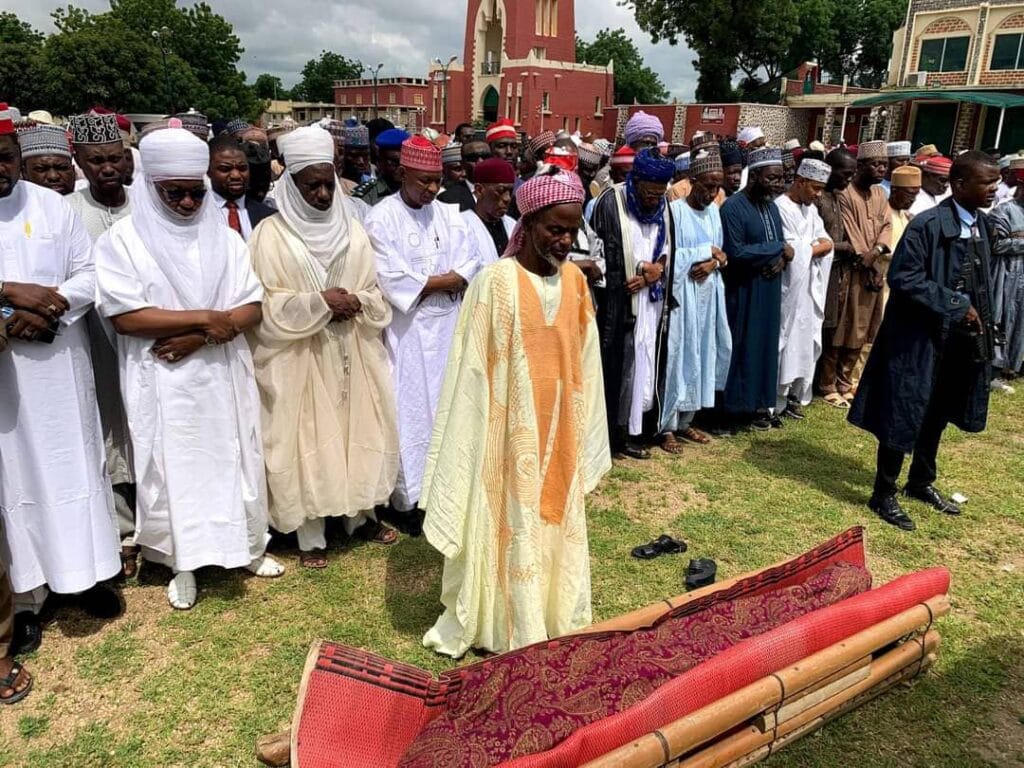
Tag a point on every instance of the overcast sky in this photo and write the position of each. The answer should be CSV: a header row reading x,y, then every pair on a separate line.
x,y
403,34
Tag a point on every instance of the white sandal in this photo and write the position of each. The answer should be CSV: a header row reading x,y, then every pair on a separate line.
x,y
265,567
182,591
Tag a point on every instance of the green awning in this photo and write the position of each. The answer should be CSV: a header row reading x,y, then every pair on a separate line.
x,y
988,98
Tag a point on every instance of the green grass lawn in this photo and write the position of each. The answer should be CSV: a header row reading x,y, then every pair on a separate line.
x,y
161,688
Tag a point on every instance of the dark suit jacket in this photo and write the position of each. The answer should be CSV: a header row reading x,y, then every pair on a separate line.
x,y
458,194
257,211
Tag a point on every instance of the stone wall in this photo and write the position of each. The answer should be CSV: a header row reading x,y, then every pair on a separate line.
x,y
964,124
778,123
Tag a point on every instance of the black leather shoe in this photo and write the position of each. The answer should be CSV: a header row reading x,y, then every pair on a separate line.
x,y
100,602
27,635
932,498
888,508
700,573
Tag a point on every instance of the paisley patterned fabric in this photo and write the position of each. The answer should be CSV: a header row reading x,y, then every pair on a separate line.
x,y
525,703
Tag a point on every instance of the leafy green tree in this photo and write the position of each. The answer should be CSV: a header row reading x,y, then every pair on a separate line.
x,y
21,49
318,76
634,82
270,87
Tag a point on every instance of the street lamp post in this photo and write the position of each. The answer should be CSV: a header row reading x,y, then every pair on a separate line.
x,y
161,35
376,72
444,91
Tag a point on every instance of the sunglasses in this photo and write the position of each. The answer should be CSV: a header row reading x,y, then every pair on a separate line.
x,y
475,157
177,195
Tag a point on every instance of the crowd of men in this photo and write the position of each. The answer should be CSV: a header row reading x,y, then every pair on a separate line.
x,y
213,332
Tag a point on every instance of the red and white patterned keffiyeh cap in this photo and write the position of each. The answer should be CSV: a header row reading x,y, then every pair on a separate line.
x,y
551,187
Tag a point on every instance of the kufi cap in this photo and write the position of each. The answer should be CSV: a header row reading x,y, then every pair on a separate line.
x,y
357,136
924,152
764,156
788,154
1017,162
814,170
95,128
452,153
392,138
420,154
816,146
540,142
649,165
623,157
791,144
562,158
431,134
589,155
174,153
42,116
872,150
937,164
898,149
642,124
334,127
41,139
494,170
731,153
682,162
1005,160
502,129
907,176
236,126
605,147
545,189
7,117
749,134
304,147
706,159
195,123
702,138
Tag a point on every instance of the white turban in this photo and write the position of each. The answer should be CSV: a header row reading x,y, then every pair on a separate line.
x,y
749,134
307,146
174,153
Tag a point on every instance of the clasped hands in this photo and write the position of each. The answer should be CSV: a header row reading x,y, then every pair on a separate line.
x,y
36,309
218,328
650,273
774,267
343,305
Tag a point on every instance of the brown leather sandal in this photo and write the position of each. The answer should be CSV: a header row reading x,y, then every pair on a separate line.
x,y
694,436
671,444
315,559
129,561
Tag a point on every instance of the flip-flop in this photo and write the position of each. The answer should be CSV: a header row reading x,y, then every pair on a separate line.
x,y
836,401
694,436
663,545
9,682
315,559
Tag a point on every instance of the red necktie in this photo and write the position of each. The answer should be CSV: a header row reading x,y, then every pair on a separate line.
x,y
233,221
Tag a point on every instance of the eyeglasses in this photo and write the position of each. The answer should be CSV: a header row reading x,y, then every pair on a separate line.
x,y
177,195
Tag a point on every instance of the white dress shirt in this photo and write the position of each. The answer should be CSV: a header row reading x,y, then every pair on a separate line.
x,y
243,214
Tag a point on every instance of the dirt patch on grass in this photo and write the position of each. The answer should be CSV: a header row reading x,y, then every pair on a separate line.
x,y
647,492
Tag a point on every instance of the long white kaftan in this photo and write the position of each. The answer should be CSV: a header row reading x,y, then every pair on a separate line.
x,y
521,436
804,285
195,424
329,434
56,502
699,341
412,244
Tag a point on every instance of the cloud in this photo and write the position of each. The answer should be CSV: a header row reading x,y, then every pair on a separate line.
x,y
404,35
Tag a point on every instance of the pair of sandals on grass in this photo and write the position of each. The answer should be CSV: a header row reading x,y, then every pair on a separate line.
x,y
699,573
372,531
671,442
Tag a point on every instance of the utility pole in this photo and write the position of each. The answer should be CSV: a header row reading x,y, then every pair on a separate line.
x,y
161,35
376,111
444,91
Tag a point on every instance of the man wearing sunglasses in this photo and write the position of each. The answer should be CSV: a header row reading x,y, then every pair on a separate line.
x,y
461,194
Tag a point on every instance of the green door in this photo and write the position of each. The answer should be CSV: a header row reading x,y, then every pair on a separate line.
x,y
935,124
490,104
1012,137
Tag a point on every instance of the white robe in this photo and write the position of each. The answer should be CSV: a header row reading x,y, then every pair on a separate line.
x,y
412,245
646,336
925,201
480,238
804,285
195,424
56,503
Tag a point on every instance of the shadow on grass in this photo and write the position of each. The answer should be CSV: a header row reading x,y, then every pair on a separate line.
x,y
968,708
841,476
412,587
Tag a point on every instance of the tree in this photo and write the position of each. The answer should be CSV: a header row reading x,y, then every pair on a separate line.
x,y
319,74
766,40
270,87
634,82
21,49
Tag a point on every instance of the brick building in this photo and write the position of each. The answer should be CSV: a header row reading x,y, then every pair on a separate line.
x,y
956,76
519,61
402,100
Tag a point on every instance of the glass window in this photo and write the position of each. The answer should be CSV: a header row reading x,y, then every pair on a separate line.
x,y
944,54
1006,53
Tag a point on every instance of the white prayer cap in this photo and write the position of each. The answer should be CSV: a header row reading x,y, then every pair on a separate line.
x,y
749,134
816,146
174,153
791,144
1004,162
304,147
814,170
41,116
898,149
